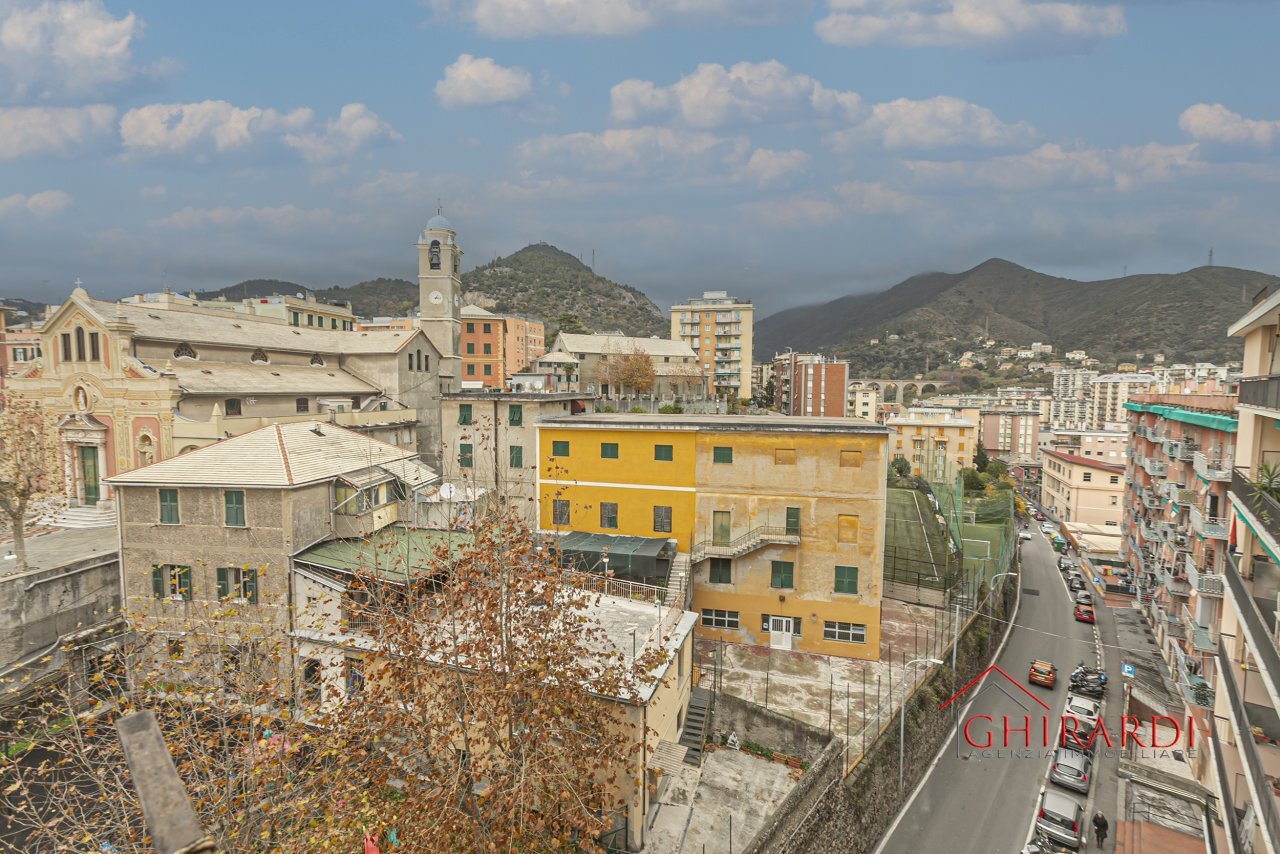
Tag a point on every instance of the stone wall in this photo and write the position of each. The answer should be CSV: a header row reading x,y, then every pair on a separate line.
x,y
769,729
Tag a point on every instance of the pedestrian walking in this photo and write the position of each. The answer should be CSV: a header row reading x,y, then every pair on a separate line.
x,y
1100,827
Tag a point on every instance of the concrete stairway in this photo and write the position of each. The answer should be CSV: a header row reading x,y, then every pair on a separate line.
x,y
695,725
677,591
84,517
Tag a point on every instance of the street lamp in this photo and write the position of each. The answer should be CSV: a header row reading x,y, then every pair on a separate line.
x,y
902,719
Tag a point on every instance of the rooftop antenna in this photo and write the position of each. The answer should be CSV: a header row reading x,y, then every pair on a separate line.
x,y
1126,270
1210,256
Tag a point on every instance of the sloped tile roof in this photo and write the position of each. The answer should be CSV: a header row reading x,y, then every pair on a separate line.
x,y
224,378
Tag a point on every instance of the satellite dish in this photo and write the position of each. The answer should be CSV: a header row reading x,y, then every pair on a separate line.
x,y
537,384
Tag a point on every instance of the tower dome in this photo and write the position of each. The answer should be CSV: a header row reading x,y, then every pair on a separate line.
x,y
438,221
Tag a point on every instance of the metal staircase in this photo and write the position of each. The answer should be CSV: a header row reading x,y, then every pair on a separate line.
x,y
746,543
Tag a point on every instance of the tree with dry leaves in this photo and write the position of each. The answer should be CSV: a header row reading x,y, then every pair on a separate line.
x,y
480,705
30,470
632,371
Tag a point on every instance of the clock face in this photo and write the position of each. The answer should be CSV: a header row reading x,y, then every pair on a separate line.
x,y
436,297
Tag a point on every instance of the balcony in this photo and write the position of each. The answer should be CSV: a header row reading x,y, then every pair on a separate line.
x,y
1256,502
1210,468
1209,527
1262,392
1180,450
754,539
1257,616
1153,467
1227,805
1247,751
1203,638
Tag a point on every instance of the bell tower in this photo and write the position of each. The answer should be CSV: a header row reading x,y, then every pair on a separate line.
x,y
440,285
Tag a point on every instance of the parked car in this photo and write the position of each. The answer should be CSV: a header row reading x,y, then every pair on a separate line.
x,y
1084,614
1084,597
1075,582
1046,529
1024,535
1084,710
1061,818
1071,769
1043,673
1039,517
1065,563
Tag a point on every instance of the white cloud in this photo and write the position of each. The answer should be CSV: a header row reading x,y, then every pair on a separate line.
x,y
57,50
52,130
1052,165
1215,123
766,166
355,128
806,211
747,92
39,205
479,81
640,150
220,127
874,198
969,23
529,18
283,218
937,122
158,191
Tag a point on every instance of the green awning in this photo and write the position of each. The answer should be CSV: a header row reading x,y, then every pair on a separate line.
x,y
643,559
1225,423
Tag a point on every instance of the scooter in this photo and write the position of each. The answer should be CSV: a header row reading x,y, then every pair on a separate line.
x,y
1042,844
1089,688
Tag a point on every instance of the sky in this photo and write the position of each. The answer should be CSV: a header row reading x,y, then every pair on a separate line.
x,y
788,151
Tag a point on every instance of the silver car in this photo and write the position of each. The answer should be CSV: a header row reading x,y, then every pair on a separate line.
x,y
1084,597
1072,769
1061,818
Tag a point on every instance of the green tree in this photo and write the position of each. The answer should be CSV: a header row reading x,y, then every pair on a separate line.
x,y
972,480
980,458
571,323
900,467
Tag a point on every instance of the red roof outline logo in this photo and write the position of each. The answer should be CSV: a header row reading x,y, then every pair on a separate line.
x,y
982,675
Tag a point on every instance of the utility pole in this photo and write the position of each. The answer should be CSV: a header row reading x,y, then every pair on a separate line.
x,y
1210,256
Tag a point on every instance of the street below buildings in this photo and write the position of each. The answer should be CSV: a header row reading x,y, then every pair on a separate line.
x,y
982,801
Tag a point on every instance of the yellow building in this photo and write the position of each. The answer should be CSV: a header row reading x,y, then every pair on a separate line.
x,y
1078,489
718,328
864,403
935,440
779,521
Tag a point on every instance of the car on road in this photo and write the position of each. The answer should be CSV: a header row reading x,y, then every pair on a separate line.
x,y
1075,582
1043,673
1039,517
1061,818
1065,563
1084,614
1072,769
1024,535
1084,710
1084,597
1046,528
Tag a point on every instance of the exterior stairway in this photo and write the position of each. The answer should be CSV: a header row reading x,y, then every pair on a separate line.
x,y
84,517
746,543
695,725
677,591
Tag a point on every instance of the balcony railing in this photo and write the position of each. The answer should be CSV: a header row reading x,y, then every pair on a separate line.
x,y
1256,501
1209,527
1266,809
1203,638
1211,468
1256,633
750,541
1154,467
1263,392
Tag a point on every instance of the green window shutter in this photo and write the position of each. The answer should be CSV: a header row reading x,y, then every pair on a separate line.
x,y
782,575
793,521
169,506
465,455
233,500
721,455
157,582
464,413
517,457
184,582
662,453
560,448
608,450
846,579
251,586
224,586
515,415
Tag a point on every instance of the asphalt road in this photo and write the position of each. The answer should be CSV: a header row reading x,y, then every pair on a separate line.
x,y
977,802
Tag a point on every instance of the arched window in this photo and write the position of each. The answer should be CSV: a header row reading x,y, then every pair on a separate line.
x,y
317,359
184,351
79,344
411,361
419,360
258,355
434,254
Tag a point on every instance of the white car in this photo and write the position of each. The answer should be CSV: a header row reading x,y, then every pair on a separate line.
x,y
1047,529
1024,535
1084,710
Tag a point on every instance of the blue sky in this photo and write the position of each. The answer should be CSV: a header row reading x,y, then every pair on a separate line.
x,y
785,150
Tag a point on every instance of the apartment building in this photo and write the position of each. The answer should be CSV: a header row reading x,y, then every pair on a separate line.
x,y
811,385
18,346
1242,687
936,442
1082,490
719,328
1106,445
1009,430
481,341
1070,406
304,310
523,341
864,403
778,521
600,364
1108,394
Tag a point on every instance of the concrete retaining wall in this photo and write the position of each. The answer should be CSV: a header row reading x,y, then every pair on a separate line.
x,y
768,729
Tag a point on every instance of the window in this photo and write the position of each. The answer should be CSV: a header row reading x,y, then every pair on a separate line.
x,y
233,505
721,570
354,675
721,455
295,318
515,415
312,679
608,450
171,581
169,507
515,457
793,521
66,346
661,519
784,456
1115,499
663,453
846,579
464,413
487,328
333,323
471,327
488,348
175,647
238,583
471,370
713,618
560,448
411,361
466,455
79,344
1115,478
1088,476
301,404
847,529
846,632
488,370
94,353
608,514
231,406
311,320
560,511
850,459
782,575
471,349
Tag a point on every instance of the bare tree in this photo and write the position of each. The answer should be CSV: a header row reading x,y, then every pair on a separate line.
x,y
632,371
30,474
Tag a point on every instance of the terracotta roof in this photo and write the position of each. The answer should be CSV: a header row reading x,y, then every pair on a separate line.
x,y
278,455
1085,461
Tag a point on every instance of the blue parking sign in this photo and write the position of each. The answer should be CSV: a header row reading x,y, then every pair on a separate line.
x,y
1126,670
